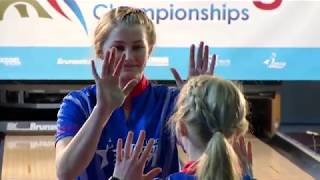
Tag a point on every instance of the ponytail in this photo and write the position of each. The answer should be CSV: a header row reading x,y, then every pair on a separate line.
x,y
219,160
214,110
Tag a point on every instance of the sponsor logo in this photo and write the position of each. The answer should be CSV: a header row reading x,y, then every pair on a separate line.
x,y
14,126
158,61
222,62
21,7
62,61
75,9
273,63
10,61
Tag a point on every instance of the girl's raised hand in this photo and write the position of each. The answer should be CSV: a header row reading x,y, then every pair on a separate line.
x,y
244,152
130,162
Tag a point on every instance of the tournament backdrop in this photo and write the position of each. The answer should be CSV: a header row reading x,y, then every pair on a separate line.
x,y
253,40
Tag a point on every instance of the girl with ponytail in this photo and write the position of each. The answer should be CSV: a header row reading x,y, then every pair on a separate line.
x,y
210,114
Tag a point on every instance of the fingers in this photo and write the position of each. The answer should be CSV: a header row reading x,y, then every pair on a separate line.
x,y
119,150
202,62
94,70
242,145
139,145
247,155
127,146
119,66
109,63
239,147
243,149
112,58
177,77
205,59
129,87
191,58
152,173
146,152
213,64
200,56
137,159
250,153
105,64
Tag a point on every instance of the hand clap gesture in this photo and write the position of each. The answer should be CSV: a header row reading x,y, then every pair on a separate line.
x,y
130,162
244,152
197,67
109,93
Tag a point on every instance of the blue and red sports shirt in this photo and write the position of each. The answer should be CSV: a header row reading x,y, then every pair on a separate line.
x,y
151,107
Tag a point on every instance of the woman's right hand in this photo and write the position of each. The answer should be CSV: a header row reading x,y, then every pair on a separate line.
x,y
109,93
197,65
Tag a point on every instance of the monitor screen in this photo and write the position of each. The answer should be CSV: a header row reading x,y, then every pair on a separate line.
x,y
253,40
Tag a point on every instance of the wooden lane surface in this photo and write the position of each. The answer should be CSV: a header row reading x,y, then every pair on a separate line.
x,y
33,158
28,158
271,165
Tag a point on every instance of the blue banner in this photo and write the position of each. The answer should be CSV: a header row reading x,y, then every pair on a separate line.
x,y
73,63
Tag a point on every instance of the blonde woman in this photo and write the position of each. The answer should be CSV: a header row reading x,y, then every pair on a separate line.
x,y
91,120
210,116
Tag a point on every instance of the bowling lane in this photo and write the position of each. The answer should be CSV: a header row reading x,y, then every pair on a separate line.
x,y
28,158
33,157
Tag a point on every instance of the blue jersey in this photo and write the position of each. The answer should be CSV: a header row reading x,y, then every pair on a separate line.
x,y
150,111
184,176
181,176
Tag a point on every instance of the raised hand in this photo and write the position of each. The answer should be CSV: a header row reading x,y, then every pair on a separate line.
x,y
130,162
198,67
244,152
109,93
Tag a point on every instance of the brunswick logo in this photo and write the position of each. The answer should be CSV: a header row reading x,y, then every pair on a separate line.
x,y
21,7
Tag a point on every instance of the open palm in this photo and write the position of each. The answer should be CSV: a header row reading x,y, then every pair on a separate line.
x,y
109,93
130,162
199,66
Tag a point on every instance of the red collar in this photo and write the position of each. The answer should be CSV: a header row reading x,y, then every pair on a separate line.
x,y
140,87
190,167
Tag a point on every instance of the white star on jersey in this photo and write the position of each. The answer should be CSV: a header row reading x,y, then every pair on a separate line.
x,y
104,152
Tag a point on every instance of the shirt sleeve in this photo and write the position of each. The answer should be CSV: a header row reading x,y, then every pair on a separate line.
x,y
71,115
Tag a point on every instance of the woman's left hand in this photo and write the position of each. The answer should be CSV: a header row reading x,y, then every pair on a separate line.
x,y
198,67
130,162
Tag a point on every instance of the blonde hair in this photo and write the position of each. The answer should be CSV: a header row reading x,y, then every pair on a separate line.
x,y
122,15
213,110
